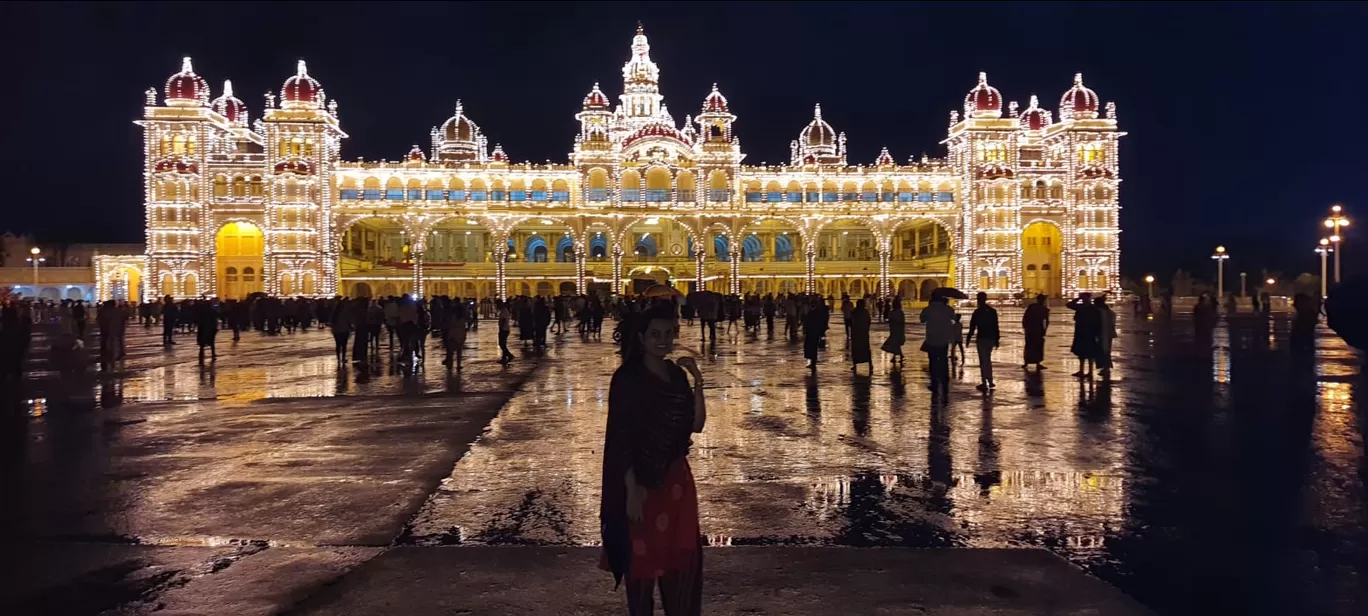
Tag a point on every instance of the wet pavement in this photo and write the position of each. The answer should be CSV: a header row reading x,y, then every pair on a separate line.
x,y
1229,480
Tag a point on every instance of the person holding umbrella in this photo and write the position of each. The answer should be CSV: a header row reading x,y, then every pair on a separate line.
x,y
939,318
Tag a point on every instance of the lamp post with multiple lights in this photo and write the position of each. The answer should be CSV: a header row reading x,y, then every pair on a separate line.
x,y
1335,222
1220,258
35,260
1324,250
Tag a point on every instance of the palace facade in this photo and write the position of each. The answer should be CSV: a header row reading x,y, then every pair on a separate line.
x,y
1023,203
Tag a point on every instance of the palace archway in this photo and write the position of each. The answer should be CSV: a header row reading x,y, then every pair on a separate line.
x,y
238,259
1041,261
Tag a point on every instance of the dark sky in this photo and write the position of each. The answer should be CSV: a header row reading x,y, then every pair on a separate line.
x,y
1242,118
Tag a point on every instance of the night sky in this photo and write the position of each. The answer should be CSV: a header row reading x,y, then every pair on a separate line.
x,y
1242,118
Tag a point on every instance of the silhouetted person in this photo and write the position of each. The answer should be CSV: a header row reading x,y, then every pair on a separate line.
x,y
984,322
1036,323
897,333
170,312
206,328
814,328
858,330
1106,333
939,318
1087,331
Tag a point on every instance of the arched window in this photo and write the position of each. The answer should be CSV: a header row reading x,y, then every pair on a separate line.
x,y
598,247
721,249
783,248
631,187
685,183
248,274
751,249
718,191
598,185
645,246
565,250
230,274
658,182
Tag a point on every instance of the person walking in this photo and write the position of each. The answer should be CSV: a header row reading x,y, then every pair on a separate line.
x,y
341,320
939,318
814,329
505,316
1036,322
860,352
897,333
648,510
454,337
984,322
206,328
169,315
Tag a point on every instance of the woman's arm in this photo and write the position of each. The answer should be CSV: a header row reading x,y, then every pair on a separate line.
x,y
700,405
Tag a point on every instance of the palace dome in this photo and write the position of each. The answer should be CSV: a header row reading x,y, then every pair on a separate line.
x,y
301,91
818,132
1080,101
654,130
186,89
229,106
460,128
498,155
885,159
715,102
595,99
984,101
1035,118
416,154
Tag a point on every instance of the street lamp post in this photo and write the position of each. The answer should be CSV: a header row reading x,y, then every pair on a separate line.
x,y
1334,223
1149,280
1220,258
35,260
1242,284
1324,250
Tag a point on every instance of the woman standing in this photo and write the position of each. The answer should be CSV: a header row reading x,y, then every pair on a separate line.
x,y
1036,322
649,510
897,333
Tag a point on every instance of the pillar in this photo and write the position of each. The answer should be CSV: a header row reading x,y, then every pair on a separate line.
x,y
885,284
700,260
617,268
810,268
735,288
500,268
581,256
418,292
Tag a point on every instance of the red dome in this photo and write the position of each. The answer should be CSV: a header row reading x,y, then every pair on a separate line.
x,y
186,88
498,156
653,130
301,167
1079,100
301,91
984,100
1035,118
715,102
179,164
416,154
595,99
229,106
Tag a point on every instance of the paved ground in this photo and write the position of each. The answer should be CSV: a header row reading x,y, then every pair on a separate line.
x,y
1195,481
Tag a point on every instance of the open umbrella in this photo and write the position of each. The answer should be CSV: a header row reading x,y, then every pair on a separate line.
x,y
948,292
659,290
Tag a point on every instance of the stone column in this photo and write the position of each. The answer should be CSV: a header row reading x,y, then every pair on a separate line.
x,y
581,256
418,273
885,283
735,286
500,267
810,268
700,261
617,268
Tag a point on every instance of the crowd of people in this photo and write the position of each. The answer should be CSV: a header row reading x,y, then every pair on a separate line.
x,y
360,325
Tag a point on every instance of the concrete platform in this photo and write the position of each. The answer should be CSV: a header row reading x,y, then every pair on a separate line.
x,y
755,581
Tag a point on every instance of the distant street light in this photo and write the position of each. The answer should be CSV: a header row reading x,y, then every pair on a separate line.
x,y
1220,258
1149,280
1335,222
35,260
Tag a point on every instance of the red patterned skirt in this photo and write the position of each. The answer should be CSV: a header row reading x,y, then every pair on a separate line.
x,y
667,537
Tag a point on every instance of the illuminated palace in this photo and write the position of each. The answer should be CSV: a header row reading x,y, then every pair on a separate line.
x,y
1024,203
